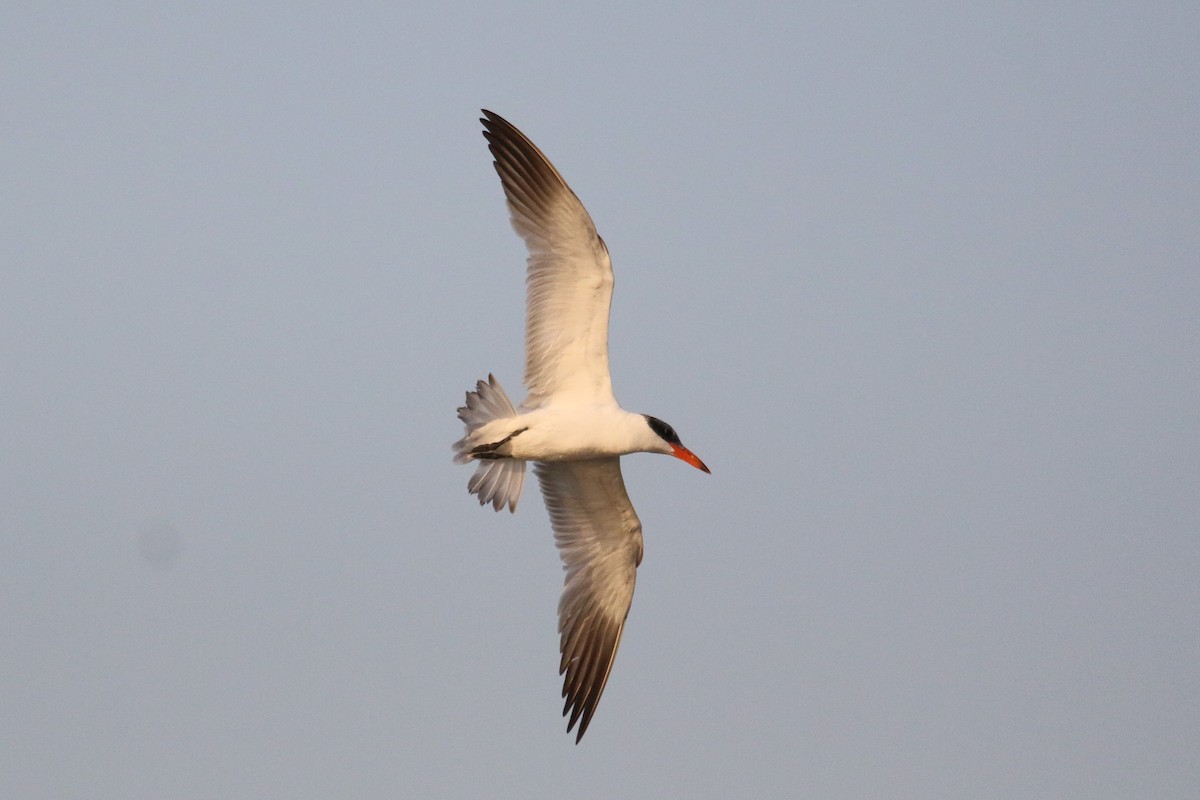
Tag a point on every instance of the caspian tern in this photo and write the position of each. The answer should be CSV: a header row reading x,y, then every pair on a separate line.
x,y
569,424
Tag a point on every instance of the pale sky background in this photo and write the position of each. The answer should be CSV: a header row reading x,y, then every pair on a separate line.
x,y
920,284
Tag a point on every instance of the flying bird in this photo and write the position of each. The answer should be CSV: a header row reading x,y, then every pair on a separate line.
x,y
569,424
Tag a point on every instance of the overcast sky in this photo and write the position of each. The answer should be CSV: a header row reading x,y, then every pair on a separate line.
x,y
920,285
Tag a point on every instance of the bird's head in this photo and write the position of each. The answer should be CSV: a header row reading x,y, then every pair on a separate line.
x,y
670,444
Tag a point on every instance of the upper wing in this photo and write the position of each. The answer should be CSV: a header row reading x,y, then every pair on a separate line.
x,y
569,280
599,538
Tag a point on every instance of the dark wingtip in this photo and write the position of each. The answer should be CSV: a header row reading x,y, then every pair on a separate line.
x,y
583,720
490,119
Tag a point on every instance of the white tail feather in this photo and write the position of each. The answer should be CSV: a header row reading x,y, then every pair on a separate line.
x,y
497,480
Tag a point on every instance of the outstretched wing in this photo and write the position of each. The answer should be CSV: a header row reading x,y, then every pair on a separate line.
x,y
599,538
569,279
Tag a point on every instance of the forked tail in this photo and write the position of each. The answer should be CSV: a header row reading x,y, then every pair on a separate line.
x,y
498,478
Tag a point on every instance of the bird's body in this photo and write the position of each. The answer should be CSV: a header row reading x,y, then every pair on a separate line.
x,y
570,424
570,433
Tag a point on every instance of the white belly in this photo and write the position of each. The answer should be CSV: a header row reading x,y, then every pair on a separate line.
x,y
575,433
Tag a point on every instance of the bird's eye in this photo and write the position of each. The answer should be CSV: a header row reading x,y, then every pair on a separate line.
x,y
664,431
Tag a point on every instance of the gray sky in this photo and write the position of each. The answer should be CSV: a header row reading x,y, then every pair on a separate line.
x,y
921,286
